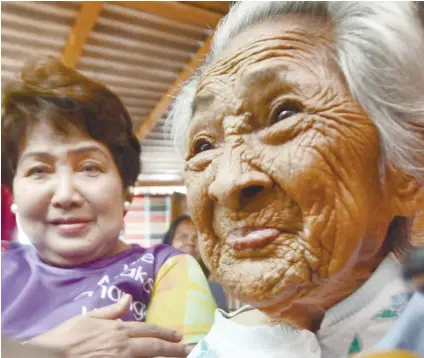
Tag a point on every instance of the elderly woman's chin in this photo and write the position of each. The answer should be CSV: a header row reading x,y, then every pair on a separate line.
x,y
261,281
278,278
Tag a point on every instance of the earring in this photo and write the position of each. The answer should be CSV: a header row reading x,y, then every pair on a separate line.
x,y
127,205
14,208
122,232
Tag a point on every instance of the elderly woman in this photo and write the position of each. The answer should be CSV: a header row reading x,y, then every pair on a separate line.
x,y
71,157
303,136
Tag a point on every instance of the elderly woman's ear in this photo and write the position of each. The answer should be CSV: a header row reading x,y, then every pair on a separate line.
x,y
407,195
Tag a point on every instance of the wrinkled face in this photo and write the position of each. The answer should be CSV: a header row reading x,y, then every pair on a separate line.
x,y
69,196
282,170
185,238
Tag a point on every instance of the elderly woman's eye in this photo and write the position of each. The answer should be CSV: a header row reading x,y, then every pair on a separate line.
x,y
202,145
286,111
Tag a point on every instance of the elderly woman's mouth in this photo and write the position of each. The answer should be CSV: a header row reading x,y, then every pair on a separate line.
x,y
241,239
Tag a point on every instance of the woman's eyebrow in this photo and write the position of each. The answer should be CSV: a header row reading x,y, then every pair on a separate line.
x,y
87,149
203,99
276,75
76,151
196,126
36,154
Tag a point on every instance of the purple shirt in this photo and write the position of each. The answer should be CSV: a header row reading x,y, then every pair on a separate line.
x,y
37,297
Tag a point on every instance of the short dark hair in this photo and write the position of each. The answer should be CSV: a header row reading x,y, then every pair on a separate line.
x,y
169,236
48,90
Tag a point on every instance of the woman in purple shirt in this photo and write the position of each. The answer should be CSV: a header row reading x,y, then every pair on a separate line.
x,y
70,155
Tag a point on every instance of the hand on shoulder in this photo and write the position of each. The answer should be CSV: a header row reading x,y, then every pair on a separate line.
x,y
100,333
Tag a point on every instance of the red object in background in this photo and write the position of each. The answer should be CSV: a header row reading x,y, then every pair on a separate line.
x,y
8,221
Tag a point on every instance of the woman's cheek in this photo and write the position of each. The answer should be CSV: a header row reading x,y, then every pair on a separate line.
x,y
197,192
200,206
104,193
32,201
203,252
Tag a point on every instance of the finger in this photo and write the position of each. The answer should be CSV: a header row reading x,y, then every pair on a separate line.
x,y
153,347
115,310
149,330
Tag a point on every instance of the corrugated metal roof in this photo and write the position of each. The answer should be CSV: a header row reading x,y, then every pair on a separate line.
x,y
137,54
31,28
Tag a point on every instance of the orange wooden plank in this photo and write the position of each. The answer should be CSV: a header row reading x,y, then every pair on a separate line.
x,y
167,98
175,10
221,7
84,22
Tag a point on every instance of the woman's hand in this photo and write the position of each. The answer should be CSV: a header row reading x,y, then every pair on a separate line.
x,y
100,334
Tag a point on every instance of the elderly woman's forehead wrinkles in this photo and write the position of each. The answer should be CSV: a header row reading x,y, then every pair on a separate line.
x,y
215,90
295,25
259,50
232,77
214,100
213,84
269,79
264,72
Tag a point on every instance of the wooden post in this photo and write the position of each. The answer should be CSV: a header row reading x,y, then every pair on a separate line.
x,y
167,98
84,22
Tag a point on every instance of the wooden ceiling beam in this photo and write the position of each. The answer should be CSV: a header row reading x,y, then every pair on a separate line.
x,y
173,91
221,7
175,10
78,36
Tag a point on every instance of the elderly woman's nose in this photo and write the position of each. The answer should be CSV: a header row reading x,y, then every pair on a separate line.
x,y
65,195
236,190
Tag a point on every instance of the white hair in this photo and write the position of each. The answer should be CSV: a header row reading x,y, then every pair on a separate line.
x,y
379,47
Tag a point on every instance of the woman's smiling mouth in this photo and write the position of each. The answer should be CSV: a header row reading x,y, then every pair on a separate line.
x,y
71,226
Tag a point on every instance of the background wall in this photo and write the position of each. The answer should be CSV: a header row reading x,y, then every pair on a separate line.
x,y
148,219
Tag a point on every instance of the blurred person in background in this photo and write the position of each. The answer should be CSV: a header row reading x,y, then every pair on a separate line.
x,y
71,157
182,235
